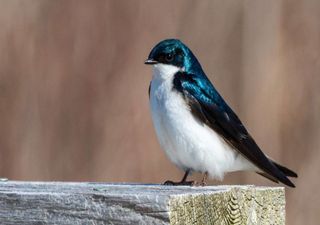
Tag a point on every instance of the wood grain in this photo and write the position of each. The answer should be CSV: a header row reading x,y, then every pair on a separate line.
x,y
101,203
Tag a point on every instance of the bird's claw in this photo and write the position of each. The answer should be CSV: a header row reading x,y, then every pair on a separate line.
x,y
182,183
200,184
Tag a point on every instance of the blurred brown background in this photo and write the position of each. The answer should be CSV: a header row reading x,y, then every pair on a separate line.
x,y
73,87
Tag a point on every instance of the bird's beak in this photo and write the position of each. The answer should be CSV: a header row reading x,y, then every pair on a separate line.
x,y
150,62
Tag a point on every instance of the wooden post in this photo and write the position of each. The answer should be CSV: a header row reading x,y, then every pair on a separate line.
x,y
101,203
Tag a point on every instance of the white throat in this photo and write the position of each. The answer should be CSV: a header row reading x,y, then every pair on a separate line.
x,y
164,72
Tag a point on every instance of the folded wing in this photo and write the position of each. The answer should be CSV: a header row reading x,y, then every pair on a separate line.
x,y
210,108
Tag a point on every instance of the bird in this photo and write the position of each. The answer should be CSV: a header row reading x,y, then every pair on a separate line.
x,y
196,128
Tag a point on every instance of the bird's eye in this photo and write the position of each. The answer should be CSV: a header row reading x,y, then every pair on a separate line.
x,y
169,57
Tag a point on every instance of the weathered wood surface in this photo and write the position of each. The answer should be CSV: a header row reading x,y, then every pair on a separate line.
x,y
100,203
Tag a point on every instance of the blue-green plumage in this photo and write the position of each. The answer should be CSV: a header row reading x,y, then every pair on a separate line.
x,y
210,109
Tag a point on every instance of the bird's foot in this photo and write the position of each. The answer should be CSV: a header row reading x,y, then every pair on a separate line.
x,y
200,184
204,180
182,183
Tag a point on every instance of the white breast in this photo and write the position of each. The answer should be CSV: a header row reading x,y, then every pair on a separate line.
x,y
188,143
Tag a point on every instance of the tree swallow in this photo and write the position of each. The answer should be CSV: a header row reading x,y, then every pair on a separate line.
x,y
196,128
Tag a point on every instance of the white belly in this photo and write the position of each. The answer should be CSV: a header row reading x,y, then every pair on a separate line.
x,y
188,143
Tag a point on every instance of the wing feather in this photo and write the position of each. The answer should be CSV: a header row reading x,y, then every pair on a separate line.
x,y
210,108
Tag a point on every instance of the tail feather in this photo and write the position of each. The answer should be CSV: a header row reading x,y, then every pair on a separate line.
x,y
285,170
268,177
285,174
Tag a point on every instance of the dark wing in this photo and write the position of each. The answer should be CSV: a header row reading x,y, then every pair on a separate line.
x,y
210,108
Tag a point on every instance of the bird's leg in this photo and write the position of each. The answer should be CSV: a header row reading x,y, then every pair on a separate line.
x,y
204,179
182,182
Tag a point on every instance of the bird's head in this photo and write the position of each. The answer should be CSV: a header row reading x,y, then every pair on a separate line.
x,y
173,52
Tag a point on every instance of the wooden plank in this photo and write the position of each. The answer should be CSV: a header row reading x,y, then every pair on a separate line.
x,y
101,203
